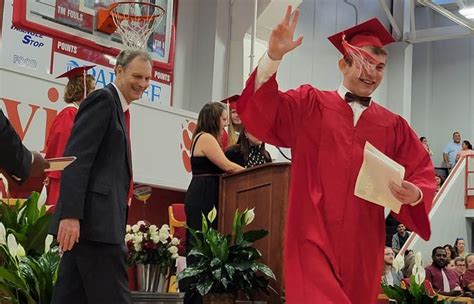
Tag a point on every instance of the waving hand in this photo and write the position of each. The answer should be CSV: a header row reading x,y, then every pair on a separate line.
x,y
281,39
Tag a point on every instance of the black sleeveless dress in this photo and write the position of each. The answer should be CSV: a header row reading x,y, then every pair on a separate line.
x,y
201,197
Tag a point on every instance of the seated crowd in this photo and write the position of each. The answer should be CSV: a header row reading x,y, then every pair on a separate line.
x,y
451,272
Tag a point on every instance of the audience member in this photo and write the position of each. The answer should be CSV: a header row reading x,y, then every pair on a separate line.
x,y
468,276
439,182
451,150
425,143
459,247
460,266
450,253
249,151
443,280
466,149
399,238
409,263
60,130
390,275
208,162
450,265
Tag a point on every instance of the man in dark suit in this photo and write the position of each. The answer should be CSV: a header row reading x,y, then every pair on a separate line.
x,y
91,212
15,159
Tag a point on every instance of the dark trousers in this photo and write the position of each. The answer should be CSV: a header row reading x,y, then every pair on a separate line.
x,y
93,273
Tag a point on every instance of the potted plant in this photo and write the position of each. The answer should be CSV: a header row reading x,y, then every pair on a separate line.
x,y
154,252
28,261
29,222
226,264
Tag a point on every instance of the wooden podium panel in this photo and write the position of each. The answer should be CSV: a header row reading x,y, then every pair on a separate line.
x,y
265,188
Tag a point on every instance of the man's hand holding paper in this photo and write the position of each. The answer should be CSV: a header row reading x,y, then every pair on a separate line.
x,y
381,181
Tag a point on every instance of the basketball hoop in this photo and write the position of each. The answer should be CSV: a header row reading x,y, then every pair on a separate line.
x,y
134,21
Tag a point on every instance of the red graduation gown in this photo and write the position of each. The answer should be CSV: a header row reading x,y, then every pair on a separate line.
x,y
334,241
57,139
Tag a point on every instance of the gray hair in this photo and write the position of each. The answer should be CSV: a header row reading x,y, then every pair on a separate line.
x,y
126,56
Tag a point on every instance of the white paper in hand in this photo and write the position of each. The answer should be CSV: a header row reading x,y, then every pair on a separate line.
x,y
376,173
59,163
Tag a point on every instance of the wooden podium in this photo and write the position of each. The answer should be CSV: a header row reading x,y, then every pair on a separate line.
x,y
265,188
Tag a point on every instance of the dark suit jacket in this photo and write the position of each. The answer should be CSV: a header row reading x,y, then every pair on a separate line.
x,y
15,159
95,187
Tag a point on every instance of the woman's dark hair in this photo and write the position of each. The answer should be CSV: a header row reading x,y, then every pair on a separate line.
x,y
209,120
244,144
468,144
455,247
453,252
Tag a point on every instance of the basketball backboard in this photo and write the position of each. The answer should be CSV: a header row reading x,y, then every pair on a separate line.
x,y
75,21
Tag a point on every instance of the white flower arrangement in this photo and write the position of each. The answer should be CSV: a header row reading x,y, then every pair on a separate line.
x,y
149,245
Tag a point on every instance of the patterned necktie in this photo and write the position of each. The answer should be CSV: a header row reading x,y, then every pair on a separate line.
x,y
365,101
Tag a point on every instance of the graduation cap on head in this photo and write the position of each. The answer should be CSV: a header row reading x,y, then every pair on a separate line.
x,y
369,33
75,72
231,102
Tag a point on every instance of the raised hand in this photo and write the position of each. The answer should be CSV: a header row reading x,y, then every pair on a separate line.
x,y
281,39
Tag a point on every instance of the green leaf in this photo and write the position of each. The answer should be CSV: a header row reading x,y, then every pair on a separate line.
x,y
254,235
266,270
13,278
8,216
31,212
35,237
189,272
196,252
204,287
204,227
392,294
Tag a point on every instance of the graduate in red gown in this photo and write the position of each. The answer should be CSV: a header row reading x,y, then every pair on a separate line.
x,y
231,134
333,239
61,127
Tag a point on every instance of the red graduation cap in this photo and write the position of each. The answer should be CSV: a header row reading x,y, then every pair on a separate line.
x,y
369,33
76,72
231,101
79,71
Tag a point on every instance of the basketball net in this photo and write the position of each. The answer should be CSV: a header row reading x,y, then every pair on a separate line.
x,y
136,21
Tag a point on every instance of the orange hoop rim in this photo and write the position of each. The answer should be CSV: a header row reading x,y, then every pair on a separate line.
x,y
121,16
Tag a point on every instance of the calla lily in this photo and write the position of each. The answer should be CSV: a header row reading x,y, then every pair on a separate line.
x,y
249,216
211,216
47,243
398,262
42,198
12,245
419,273
20,251
3,234
418,258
